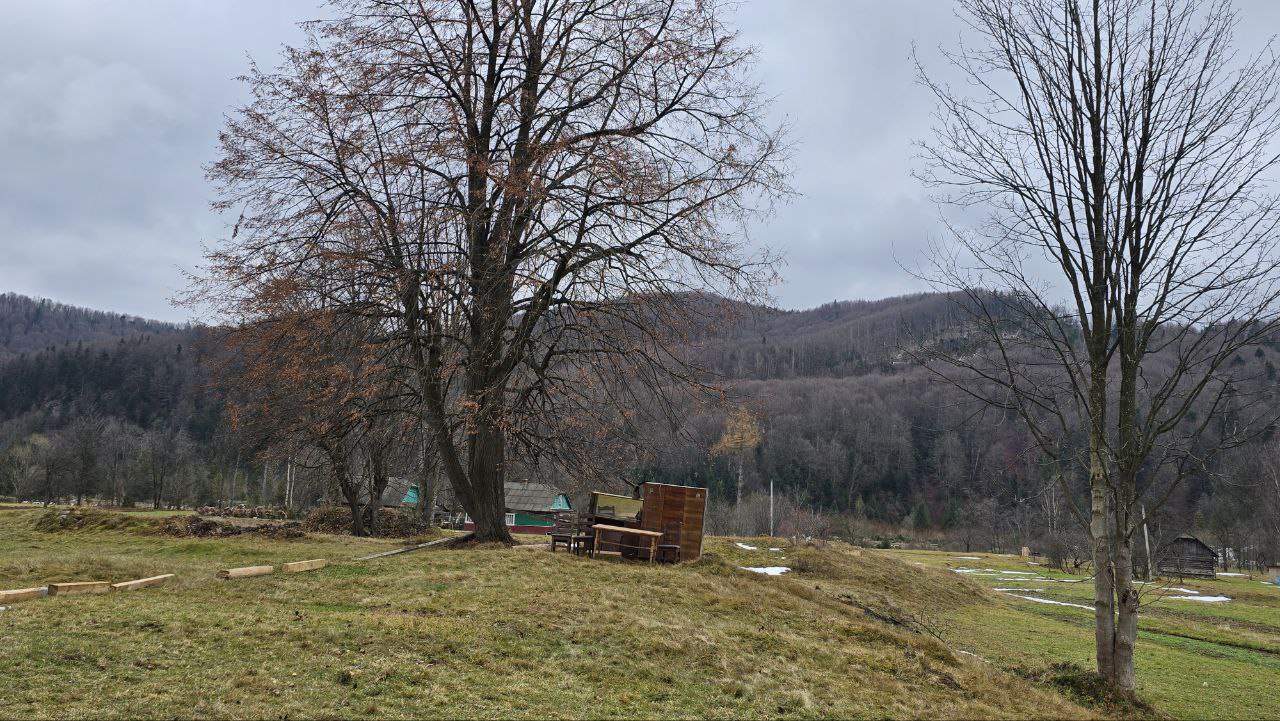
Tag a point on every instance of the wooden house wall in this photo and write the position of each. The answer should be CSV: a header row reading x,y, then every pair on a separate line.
x,y
1184,557
688,505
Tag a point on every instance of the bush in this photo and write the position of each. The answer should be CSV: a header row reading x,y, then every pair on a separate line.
x,y
1055,549
85,519
392,522
196,527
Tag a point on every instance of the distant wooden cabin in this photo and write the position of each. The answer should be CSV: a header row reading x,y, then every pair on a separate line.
x,y
531,507
1187,555
400,492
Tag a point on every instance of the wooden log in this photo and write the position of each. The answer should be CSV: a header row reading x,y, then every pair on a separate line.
x,y
300,566
245,572
141,583
67,589
23,594
437,542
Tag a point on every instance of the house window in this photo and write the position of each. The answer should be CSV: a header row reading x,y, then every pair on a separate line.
x,y
511,519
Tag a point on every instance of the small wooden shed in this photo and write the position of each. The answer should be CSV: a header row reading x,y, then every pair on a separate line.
x,y
1187,555
682,507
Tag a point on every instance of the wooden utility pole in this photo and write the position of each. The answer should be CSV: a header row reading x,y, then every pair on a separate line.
x,y
1146,539
771,507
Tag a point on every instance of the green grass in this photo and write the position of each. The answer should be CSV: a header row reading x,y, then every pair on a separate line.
x,y
484,633
1194,660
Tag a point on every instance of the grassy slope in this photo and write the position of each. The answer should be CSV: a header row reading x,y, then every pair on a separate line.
x,y
486,632
1195,660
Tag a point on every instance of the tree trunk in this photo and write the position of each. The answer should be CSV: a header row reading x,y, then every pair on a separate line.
x,y
739,488
353,504
427,484
486,500
1103,583
1099,528
378,477
1126,634
1125,493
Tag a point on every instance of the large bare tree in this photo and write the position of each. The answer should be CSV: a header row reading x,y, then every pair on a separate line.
x,y
526,193
1124,152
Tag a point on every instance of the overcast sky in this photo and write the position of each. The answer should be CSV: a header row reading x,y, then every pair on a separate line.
x,y
110,108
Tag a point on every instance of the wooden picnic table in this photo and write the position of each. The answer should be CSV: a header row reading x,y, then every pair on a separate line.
x,y
653,536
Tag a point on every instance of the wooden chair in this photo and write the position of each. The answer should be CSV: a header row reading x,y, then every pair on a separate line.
x,y
584,542
565,531
669,546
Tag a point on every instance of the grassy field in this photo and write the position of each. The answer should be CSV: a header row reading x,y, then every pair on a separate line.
x,y
1195,659
485,633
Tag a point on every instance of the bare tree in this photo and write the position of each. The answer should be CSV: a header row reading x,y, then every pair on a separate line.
x,y
162,454
741,436
527,192
1124,152
83,438
302,380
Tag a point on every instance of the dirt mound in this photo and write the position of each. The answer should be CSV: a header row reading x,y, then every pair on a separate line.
x,y
197,527
392,522
85,519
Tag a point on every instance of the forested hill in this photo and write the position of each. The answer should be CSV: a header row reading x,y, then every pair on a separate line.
x,y
59,363
835,340
847,423
37,324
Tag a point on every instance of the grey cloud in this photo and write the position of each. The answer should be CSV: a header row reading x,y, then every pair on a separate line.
x,y
109,110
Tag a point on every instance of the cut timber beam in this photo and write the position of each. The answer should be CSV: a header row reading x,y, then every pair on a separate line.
x,y
245,572
436,542
299,566
23,594
141,583
67,589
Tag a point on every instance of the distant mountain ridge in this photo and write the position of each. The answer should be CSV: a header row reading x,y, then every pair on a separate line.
x,y
30,325
849,422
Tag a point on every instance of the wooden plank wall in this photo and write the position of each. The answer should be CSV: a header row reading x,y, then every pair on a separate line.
x,y
664,503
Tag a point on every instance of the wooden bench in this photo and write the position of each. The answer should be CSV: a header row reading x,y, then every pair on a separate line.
x,y
652,537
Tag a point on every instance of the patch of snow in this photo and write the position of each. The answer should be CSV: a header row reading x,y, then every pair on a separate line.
x,y
4,608
746,547
1006,590
1205,599
1020,573
1032,563
1052,602
1236,575
775,549
968,558
1186,590
767,570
